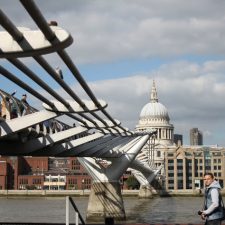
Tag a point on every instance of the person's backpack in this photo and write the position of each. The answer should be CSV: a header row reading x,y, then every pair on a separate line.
x,y
223,208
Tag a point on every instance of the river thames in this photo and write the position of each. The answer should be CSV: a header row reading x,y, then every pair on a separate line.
x,y
156,210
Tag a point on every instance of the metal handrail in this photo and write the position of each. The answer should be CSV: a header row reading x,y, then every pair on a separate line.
x,y
69,199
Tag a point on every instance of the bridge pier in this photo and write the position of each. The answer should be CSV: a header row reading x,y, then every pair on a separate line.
x,y
145,180
145,191
105,201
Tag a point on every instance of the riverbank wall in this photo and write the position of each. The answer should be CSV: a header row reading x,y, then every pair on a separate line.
x,y
57,193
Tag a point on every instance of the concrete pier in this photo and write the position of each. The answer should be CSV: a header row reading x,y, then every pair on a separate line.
x,y
145,192
105,201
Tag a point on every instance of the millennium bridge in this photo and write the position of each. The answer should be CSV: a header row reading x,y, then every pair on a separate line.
x,y
104,147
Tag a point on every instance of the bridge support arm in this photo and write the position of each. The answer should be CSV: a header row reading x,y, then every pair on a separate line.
x,y
105,199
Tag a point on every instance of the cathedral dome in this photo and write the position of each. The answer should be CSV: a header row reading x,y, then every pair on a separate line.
x,y
154,115
154,109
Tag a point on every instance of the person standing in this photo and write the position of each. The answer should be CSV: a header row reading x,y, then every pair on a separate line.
x,y
5,108
24,105
212,211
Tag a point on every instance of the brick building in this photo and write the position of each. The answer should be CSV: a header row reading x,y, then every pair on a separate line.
x,y
48,173
42,173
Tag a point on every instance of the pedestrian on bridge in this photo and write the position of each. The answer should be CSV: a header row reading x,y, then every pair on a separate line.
x,y
24,105
212,211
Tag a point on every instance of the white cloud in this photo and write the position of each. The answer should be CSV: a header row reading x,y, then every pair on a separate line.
x,y
191,100
105,31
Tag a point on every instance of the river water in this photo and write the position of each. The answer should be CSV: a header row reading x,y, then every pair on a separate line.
x,y
156,210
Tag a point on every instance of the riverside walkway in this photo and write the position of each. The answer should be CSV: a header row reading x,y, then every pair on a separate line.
x,y
103,146
101,224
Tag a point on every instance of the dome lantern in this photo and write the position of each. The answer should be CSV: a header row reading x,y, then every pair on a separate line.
x,y
153,97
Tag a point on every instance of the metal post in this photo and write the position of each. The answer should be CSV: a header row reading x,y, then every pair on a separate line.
x,y
49,181
82,186
76,218
58,180
67,210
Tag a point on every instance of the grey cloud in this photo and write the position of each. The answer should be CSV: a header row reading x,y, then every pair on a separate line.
x,y
115,30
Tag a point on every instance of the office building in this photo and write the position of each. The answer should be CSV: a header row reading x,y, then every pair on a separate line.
x,y
196,137
185,166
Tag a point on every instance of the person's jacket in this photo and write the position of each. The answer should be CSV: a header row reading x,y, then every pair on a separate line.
x,y
211,212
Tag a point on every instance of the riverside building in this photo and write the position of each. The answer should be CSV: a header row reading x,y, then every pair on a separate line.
x,y
184,166
48,173
39,173
183,169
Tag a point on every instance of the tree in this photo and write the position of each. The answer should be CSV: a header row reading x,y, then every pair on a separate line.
x,y
132,183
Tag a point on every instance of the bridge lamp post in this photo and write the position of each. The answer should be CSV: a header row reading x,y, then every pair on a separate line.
x,y
82,184
122,182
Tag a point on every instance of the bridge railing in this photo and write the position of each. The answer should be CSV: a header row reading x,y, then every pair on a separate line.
x,y
27,47
69,201
99,134
11,108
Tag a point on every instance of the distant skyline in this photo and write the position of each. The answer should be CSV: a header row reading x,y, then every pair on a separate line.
x,y
121,46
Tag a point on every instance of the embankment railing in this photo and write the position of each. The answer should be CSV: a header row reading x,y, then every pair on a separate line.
x,y
77,213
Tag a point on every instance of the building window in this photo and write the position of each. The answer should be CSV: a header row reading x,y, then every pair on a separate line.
x,y
170,186
37,181
72,181
180,163
75,164
180,184
87,183
158,154
23,181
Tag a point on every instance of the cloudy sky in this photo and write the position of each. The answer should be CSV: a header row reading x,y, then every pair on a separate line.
x,y
121,46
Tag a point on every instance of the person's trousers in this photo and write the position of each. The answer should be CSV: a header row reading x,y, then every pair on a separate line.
x,y
213,222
